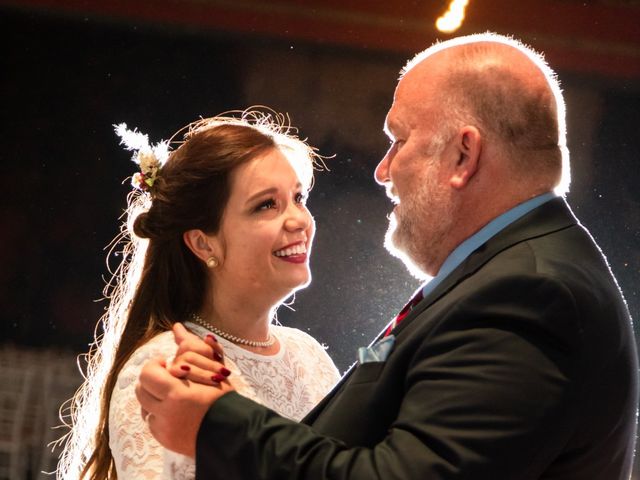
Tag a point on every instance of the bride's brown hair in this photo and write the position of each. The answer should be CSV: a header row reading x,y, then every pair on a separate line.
x,y
159,281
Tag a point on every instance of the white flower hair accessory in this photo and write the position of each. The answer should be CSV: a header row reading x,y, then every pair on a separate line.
x,y
149,157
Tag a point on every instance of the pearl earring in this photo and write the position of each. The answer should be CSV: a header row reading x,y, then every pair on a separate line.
x,y
212,262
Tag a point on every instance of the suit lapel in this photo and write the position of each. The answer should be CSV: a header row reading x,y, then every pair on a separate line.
x,y
548,218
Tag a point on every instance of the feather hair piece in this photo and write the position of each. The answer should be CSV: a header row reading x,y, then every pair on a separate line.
x,y
151,158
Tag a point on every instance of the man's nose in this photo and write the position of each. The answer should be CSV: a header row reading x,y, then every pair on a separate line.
x,y
381,173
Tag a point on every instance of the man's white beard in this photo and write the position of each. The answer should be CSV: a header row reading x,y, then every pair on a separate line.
x,y
391,243
426,219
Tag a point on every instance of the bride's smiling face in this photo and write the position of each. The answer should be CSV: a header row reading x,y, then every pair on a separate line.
x,y
266,230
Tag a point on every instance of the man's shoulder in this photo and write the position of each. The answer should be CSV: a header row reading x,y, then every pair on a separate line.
x,y
569,255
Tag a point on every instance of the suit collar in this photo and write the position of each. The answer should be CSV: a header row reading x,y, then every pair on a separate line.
x,y
550,217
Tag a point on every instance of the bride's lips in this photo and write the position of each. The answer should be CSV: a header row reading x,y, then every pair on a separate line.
x,y
292,253
301,258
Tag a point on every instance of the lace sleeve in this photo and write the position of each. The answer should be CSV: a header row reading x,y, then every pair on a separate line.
x,y
137,455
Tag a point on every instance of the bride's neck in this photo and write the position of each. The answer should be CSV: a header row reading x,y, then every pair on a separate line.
x,y
242,317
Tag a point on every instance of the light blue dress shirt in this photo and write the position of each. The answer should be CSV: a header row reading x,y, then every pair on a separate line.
x,y
467,247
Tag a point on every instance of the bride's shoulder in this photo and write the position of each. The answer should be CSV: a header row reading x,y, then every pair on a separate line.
x,y
296,336
158,345
305,349
161,345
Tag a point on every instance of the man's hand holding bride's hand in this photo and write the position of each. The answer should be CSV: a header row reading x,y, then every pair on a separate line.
x,y
174,406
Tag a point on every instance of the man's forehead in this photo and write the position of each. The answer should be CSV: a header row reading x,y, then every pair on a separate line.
x,y
392,122
401,113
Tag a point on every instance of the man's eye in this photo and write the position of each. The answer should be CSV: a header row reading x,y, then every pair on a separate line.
x,y
395,144
301,198
266,205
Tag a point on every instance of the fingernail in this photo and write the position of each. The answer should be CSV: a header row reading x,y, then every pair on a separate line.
x,y
225,371
217,356
211,337
218,378
186,368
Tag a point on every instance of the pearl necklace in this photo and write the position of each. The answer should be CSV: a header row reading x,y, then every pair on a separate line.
x,y
232,338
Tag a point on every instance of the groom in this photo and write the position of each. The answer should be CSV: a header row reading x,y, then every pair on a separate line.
x,y
516,361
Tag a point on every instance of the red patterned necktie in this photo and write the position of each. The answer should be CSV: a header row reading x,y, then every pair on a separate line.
x,y
405,311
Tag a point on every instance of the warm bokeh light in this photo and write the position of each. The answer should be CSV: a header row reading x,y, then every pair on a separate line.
x,y
451,20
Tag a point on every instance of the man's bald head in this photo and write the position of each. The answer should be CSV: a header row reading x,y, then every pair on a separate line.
x,y
507,91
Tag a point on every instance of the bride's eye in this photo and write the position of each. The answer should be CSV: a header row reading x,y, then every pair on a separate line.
x,y
266,205
301,198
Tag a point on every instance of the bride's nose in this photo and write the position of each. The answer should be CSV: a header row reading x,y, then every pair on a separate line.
x,y
298,218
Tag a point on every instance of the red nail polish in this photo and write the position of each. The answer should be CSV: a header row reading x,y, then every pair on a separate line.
x,y
217,356
225,371
211,337
186,368
218,378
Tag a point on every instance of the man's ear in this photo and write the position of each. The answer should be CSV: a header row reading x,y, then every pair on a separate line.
x,y
468,146
202,245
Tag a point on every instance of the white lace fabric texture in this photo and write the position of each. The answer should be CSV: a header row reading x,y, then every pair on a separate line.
x,y
291,383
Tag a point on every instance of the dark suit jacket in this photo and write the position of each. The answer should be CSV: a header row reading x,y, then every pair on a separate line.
x,y
520,365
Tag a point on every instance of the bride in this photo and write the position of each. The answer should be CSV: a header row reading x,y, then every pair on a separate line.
x,y
217,236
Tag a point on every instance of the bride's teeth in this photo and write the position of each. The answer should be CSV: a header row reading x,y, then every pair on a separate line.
x,y
295,250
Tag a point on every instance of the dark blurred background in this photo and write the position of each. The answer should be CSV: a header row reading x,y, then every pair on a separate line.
x,y
71,69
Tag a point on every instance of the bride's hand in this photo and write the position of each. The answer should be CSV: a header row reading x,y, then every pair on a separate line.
x,y
173,408
197,360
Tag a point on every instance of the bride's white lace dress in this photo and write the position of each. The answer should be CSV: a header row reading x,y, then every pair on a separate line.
x,y
290,382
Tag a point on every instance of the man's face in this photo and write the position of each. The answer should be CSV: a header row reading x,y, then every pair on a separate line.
x,y
414,172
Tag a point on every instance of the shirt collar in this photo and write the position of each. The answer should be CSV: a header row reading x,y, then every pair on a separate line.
x,y
492,228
